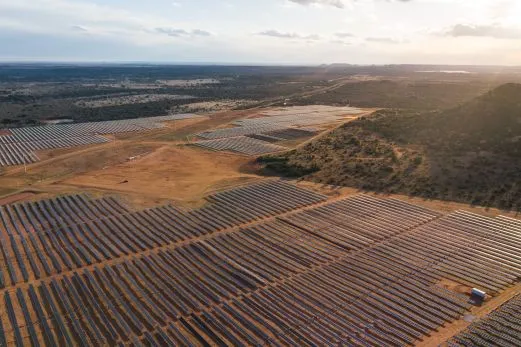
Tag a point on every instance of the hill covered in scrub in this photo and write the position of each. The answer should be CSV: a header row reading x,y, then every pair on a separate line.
x,y
471,153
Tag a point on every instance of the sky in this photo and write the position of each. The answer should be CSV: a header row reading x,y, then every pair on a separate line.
x,y
300,32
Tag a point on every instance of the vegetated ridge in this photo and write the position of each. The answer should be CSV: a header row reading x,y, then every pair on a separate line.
x,y
471,153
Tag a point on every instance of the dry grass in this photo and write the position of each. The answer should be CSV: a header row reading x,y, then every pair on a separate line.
x,y
178,173
6,191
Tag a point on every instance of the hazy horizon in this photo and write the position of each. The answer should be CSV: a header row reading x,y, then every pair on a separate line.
x,y
272,32
232,64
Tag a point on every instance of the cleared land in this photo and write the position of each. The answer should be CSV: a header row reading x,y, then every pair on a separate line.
x,y
148,167
169,172
130,99
268,263
155,164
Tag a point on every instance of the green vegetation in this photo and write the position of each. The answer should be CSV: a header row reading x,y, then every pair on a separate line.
x,y
471,153
32,93
279,164
410,94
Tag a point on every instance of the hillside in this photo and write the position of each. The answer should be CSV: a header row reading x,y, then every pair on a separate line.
x,y
470,153
409,92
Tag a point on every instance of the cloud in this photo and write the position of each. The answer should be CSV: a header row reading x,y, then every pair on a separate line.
x,y
334,3
343,35
199,32
495,31
501,9
59,18
182,33
172,32
386,40
284,35
313,37
79,28
341,42
275,33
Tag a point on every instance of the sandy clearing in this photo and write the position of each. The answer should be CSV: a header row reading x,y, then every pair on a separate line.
x,y
170,172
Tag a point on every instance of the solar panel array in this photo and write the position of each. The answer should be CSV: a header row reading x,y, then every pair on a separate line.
x,y
19,145
241,144
238,131
263,264
285,134
500,328
128,125
267,129
293,120
18,153
65,233
265,125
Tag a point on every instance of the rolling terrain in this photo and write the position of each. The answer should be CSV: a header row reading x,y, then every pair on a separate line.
x,y
32,94
470,153
165,234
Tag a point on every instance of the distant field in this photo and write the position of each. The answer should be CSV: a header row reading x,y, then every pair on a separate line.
x,y
31,95
125,100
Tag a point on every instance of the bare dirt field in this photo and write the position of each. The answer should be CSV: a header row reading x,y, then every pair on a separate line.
x,y
170,172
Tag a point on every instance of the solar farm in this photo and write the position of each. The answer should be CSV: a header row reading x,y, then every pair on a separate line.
x,y
19,145
267,263
241,144
287,124
501,328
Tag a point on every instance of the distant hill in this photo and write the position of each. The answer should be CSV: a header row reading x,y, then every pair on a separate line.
x,y
471,153
411,93
491,122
